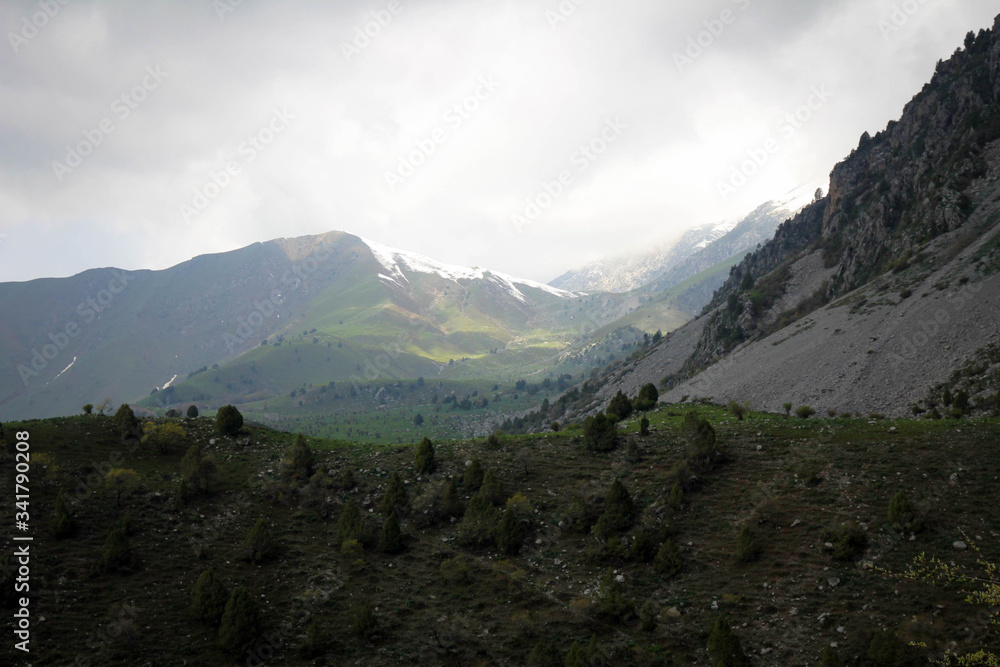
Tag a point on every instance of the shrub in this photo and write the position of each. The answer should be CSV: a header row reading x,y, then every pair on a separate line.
x,y
349,523
577,656
676,499
612,605
668,560
315,642
492,488
228,420
883,650
619,512
88,408
644,426
620,406
510,533
192,411
418,420
116,554
830,658
299,461
365,624
804,412
787,408
198,469
258,545
600,433
451,505
392,540
240,622
643,548
172,413
739,411
64,524
479,524
424,459
395,495
724,649
163,437
455,570
649,614
209,600
703,452
849,541
545,655
748,544
632,453
647,398
473,477
902,515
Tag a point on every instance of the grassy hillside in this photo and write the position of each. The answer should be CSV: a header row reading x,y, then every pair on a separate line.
x,y
794,481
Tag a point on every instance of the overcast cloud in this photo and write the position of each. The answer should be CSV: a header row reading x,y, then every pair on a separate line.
x,y
331,114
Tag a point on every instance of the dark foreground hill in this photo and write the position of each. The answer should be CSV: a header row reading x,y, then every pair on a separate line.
x,y
625,557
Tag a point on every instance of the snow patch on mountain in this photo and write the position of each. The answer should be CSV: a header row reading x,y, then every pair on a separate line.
x,y
396,261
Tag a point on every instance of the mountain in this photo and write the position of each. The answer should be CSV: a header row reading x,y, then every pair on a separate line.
x,y
882,297
287,312
697,250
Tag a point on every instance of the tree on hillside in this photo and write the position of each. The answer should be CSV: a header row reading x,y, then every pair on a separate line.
x,y
424,459
619,512
163,437
418,420
392,540
349,523
198,469
127,423
63,522
479,524
620,406
299,462
600,433
395,494
473,477
241,622
192,411
647,398
258,546
209,598
228,420
724,648
121,481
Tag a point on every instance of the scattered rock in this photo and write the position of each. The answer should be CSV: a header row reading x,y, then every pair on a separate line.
x,y
796,523
833,581
960,545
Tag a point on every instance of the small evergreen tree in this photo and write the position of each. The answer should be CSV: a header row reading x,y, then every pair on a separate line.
x,y
724,648
703,450
632,453
649,614
668,560
88,408
63,522
788,409
349,523
210,597
126,422
576,657
258,545
473,477
620,406
116,554
479,524
900,512
418,420
198,470
612,605
241,622
748,544
299,462
395,494
830,658
424,459
365,623
450,503
192,411
492,488
644,426
228,420
619,512
510,533
647,398
600,433
676,496
392,540
883,650
544,654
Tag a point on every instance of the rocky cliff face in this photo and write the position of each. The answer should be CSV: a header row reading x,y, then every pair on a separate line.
x,y
923,177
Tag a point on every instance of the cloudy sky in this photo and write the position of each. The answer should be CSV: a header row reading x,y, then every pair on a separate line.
x,y
525,136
